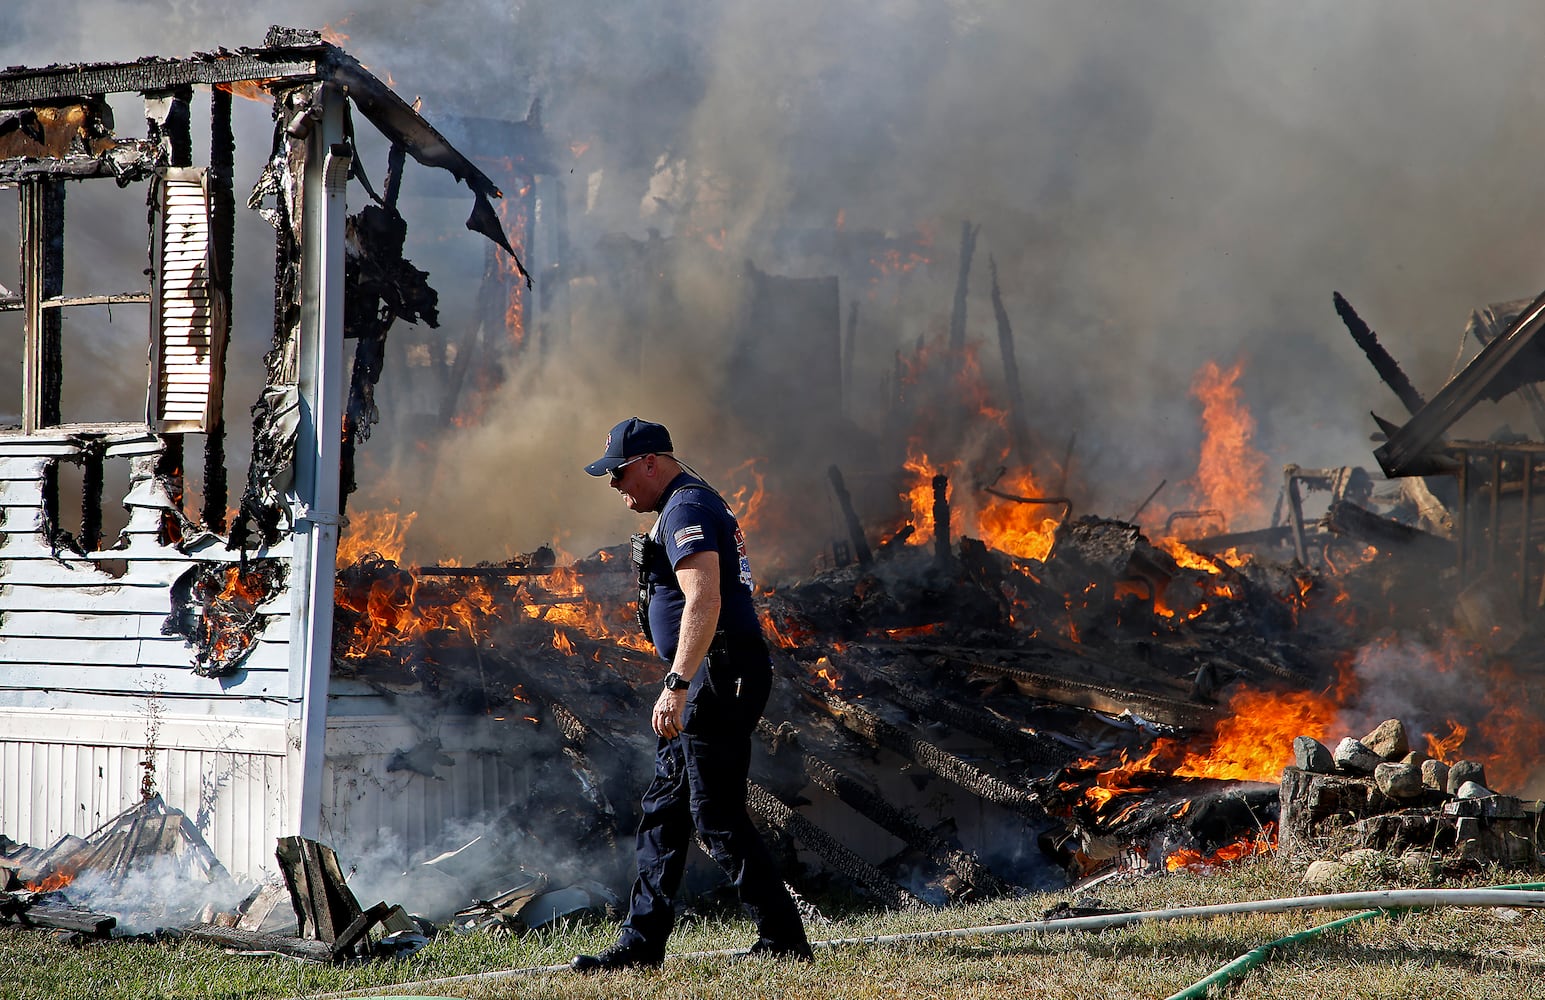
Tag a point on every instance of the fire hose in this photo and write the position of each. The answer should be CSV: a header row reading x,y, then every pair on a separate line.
x,y
1258,956
1375,902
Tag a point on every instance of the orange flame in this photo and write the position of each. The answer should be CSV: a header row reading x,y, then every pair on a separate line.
x,y
1262,843
53,883
1230,472
1447,748
1255,741
383,532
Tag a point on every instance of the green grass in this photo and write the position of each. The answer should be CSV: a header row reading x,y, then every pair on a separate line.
x,y
1446,953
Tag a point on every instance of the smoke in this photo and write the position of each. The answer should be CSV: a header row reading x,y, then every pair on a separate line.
x,y
1160,185
155,893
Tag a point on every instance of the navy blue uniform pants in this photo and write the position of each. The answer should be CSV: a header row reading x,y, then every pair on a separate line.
x,y
700,784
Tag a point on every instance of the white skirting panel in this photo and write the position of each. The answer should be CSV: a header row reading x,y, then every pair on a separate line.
x,y
375,801
68,774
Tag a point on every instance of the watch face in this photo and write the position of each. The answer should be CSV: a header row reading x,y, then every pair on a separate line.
x,y
675,681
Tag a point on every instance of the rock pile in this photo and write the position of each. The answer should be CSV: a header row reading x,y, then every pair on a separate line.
x,y
1377,793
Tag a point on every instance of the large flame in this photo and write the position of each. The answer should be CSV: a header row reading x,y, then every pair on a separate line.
x,y
1021,529
1231,470
1255,741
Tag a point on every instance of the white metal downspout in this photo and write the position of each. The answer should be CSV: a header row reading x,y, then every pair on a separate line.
x,y
318,454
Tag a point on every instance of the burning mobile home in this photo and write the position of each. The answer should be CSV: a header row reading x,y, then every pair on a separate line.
x,y
187,654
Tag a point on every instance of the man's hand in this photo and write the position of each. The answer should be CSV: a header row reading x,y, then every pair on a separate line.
x,y
666,718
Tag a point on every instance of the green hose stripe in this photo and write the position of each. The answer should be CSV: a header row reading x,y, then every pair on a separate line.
x,y
1250,959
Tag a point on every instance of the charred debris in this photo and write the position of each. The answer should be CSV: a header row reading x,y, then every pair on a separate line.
x,y
959,721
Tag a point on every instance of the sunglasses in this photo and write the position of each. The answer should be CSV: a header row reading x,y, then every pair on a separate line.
x,y
617,472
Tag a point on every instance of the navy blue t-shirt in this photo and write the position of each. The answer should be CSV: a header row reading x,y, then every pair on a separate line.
x,y
696,519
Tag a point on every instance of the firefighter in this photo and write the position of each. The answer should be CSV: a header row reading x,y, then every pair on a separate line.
x,y
695,606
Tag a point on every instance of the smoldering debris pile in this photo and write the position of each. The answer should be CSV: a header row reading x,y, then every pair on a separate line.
x,y
953,721
148,871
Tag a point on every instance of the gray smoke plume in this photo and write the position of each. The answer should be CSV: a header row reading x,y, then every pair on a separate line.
x,y
1160,185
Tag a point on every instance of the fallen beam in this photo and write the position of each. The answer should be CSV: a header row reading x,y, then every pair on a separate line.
x,y
878,810
30,909
257,941
877,732
792,824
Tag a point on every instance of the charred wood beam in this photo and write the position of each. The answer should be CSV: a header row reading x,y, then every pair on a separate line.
x,y
1007,738
941,519
1082,694
1147,500
31,909
1406,451
42,278
169,122
23,87
130,160
222,221
877,809
850,517
1388,368
1233,539
1017,417
1065,503
838,858
64,301
324,905
877,732
257,941
91,496
1345,518
958,312
1484,332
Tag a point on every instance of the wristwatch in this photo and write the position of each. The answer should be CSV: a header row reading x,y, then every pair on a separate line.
x,y
676,682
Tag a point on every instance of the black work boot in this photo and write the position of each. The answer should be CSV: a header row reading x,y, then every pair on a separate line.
x,y
630,955
798,951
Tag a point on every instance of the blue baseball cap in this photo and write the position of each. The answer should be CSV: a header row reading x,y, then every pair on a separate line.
x,y
630,439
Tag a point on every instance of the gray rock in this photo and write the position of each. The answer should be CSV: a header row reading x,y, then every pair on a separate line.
x,y
1473,790
1325,873
1352,757
1463,771
1309,754
1435,775
1414,758
1419,862
1399,781
1366,857
1388,740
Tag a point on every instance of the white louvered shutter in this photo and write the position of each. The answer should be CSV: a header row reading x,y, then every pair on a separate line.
x,y
187,313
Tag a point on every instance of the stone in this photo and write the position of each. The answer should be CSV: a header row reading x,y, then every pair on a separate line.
x,y
1309,754
1414,758
1352,757
1473,790
1399,781
1420,862
1388,740
1366,857
1325,873
1462,771
1435,775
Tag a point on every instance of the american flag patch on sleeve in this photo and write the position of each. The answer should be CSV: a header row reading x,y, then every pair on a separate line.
x,y
686,536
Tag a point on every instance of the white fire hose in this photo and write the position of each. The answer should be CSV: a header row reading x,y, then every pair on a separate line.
x,y
1386,899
